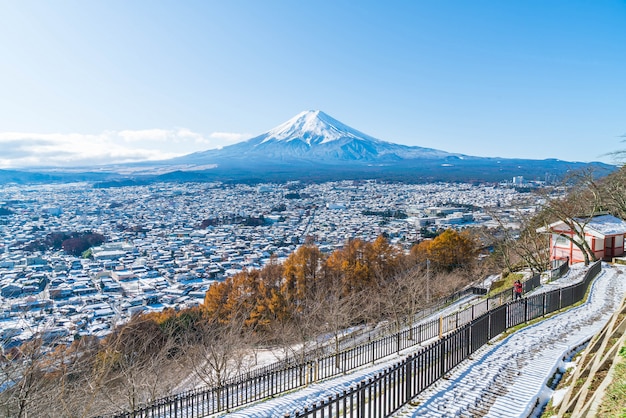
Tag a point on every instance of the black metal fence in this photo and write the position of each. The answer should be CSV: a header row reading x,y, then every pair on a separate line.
x,y
560,267
357,338
393,388
269,383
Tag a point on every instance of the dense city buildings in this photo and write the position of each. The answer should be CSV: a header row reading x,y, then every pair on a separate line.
x,y
164,244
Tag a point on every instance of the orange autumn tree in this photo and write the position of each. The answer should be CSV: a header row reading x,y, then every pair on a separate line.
x,y
448,251
361,264
160,317
215,300
271,304
270,308
350,266
301,272
243,296
253,297
419,252
384,258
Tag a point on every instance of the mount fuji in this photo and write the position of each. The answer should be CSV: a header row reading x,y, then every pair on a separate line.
x,y
312,146
315,137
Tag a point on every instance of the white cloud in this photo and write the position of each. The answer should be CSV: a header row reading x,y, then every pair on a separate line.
x,y
178,136
143,135
230,137
20,149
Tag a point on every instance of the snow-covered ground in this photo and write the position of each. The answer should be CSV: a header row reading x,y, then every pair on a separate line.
x,y
509,378
506,378
349,338
297,400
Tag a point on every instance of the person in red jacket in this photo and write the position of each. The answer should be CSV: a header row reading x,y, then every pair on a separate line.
x,y
518,289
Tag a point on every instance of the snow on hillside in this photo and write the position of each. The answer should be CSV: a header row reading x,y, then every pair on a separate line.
x,y
314,134
509,377
504,379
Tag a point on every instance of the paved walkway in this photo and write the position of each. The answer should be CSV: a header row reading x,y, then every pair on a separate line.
x,y
508,379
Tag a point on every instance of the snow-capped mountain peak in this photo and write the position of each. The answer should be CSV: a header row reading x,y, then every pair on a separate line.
x,y
313,127
315,146
315,137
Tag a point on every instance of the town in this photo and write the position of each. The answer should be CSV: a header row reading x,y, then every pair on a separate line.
x,y
166,243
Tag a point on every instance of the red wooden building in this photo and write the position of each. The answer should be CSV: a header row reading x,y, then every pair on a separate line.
x,y
603,233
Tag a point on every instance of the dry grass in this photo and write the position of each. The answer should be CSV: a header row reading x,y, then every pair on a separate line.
x,y
614,401
504,283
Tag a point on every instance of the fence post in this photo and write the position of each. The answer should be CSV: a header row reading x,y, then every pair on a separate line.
x,y
317,369
419,334
488,325
525,309
398,343
442,353
440,327
362,401
407,377
468,340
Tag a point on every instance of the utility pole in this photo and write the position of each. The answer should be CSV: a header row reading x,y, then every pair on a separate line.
x,y
427,281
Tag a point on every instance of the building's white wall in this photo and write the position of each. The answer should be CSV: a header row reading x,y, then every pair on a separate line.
x,y
599,244
560,241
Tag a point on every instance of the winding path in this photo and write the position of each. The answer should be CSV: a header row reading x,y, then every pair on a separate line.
x,y
508,378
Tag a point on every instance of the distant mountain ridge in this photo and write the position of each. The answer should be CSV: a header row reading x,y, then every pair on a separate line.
x,y
313,146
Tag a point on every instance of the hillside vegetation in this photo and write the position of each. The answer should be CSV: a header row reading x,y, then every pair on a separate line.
x,y
282,306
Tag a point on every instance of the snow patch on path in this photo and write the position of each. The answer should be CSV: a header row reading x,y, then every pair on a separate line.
x,y
509,378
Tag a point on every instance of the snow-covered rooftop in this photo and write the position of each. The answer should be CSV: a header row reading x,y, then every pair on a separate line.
x,y
601,225
607,225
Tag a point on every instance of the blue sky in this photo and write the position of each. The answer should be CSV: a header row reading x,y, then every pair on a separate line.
x,y
95,81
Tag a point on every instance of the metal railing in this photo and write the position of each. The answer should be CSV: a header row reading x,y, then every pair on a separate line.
x,y
356,338
393,388
560,269
254,387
